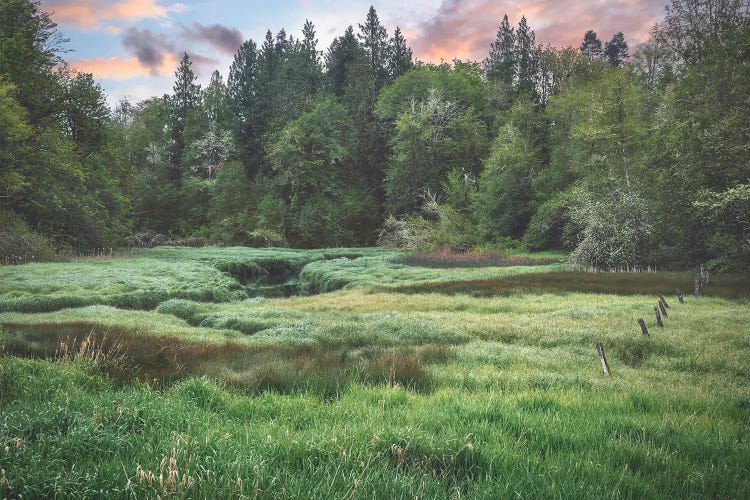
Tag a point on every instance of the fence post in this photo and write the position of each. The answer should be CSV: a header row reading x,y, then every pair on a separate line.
x,y
663,310
658,317
644,330
603,358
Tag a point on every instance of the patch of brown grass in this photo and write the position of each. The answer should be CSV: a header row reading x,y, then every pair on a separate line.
x,y
161,361
618,283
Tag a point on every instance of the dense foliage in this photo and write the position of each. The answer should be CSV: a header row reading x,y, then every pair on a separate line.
x,y
626,156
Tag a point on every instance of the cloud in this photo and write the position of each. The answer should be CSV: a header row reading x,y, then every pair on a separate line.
x,y
155,55
150,49
464,29
90,14
223,38
202,62
123,69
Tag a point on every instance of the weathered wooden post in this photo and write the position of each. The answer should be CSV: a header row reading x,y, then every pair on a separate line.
x,y
696,287
663,310
603,358
663,301
704,277
658,317
644,330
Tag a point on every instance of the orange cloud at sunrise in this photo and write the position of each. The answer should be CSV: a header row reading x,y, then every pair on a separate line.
x,y
122,69
90,13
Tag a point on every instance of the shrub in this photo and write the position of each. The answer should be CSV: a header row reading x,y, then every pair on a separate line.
x,y
265,238
147,239
613,230
19,244
439,226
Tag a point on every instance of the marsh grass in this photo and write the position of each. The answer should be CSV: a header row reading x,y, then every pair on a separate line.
x,y
446,258
152,276
618,283
324,371
410,382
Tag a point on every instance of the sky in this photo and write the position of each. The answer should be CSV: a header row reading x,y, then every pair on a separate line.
x,y
132,47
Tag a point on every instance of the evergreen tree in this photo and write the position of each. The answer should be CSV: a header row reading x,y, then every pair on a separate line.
x,y
526,57
500,65
399,55
281,46
243,94
311,58
344,50
268,63
374,39
591,46
616,50
186,92
186,97
215,102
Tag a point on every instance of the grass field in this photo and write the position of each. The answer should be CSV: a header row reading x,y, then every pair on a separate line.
x,y
227,373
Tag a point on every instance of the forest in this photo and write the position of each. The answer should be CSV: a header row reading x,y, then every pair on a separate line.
x,y
625,157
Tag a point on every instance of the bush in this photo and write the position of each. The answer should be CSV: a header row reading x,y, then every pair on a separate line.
x,y
147,239
546,228
265,238
614,231
440,226
19,244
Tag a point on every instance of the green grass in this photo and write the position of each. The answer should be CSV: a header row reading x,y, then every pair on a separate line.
x,y
155,275
334,274
663,283
405,382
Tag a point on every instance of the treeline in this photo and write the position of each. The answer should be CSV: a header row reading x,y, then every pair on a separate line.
x,y
626,157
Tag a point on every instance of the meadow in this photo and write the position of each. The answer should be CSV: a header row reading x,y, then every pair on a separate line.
x,y
360,373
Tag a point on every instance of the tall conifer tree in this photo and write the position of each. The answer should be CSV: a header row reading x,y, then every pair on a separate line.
x,y
399,55
526,57
374,39
243,96
591,46
343,52
500,65
616,50
186,97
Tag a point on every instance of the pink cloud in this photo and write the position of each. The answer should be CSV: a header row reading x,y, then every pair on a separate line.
x,y
122,69
464,29
90,13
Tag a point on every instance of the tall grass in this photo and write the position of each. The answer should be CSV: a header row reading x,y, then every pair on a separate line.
x,y
621,283
446,258
384,441
155,275
410,382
